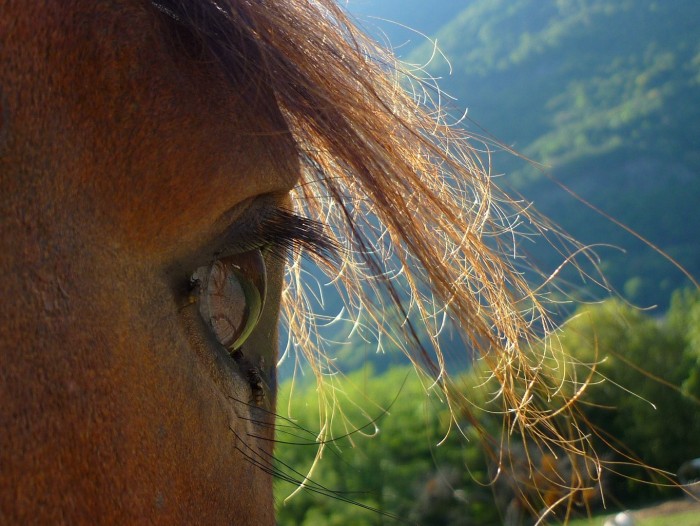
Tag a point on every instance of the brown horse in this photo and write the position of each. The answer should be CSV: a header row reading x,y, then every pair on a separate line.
x,y
126,165
147,154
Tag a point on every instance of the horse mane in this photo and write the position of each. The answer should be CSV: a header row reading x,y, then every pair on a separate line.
x,y
408,198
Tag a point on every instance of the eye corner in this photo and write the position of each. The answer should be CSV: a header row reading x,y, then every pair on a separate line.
x,y
197,278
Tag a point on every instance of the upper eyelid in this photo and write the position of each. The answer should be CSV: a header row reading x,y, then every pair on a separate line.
x,y
279,230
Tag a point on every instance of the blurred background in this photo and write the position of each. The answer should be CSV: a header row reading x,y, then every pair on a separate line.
x,y
604,97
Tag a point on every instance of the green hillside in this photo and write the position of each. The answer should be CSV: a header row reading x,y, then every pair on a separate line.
x,y
606,93
607,96
398,20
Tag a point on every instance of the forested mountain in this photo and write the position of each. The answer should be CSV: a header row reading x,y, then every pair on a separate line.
x,y
400,22
605,94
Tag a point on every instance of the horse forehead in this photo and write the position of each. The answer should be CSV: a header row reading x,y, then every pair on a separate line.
x,y
65,26
106,63
151,131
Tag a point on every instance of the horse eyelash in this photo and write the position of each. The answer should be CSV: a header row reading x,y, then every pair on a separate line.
x,y
282,231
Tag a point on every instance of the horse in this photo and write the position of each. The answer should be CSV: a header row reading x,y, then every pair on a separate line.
x,y
162,162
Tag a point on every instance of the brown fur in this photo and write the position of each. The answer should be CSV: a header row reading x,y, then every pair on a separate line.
x,y
117,163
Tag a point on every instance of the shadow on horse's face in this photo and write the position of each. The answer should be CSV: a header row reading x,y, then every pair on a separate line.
x,y
123,165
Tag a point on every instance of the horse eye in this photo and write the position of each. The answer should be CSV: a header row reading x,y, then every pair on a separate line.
x,y
231,296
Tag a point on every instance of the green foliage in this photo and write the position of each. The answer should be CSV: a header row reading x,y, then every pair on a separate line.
x,y
684,320
643,399
399,470
644,396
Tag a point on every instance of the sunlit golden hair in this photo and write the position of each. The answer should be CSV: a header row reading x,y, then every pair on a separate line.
x,y
423,232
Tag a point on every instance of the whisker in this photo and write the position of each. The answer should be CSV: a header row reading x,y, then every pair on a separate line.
x,y
370,423
258,459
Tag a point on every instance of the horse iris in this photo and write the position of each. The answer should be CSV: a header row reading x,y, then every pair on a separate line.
x,y
231,296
